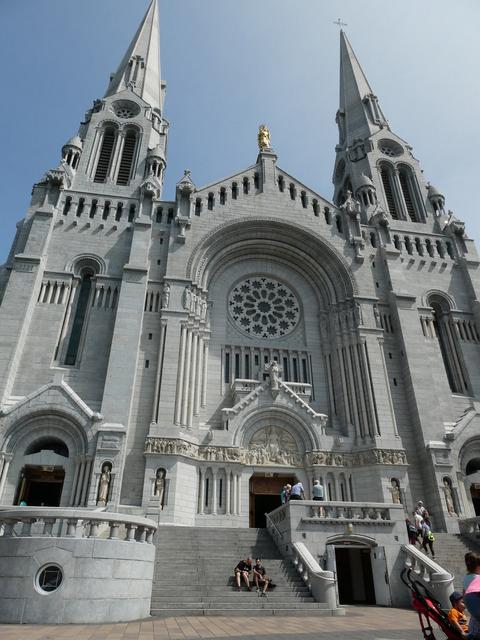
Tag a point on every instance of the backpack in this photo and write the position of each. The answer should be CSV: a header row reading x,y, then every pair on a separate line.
x,y
430,536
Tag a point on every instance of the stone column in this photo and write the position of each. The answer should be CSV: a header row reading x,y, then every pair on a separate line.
x,y
204,376
78,463
186,378
192,383
163,329
181,365
227,491
235,494
201,491
86,482
7,458
214,491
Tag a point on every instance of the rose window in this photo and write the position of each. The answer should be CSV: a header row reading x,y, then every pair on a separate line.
x,y
263,308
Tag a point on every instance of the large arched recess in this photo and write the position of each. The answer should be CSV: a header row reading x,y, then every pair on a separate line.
x,y
319,261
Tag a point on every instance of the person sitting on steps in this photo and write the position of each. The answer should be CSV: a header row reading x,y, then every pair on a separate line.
x,y
242,571
261,578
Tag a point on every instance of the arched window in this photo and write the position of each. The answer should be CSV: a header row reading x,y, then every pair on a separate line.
x,y
449,345
105,156
80,316
406,184
126,161
234,190
281,183
387,181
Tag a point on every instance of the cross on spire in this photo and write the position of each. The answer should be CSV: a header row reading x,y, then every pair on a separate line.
x,y
339,23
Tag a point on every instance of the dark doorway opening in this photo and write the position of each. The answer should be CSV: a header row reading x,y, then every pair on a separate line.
x,y
354,576
265,492
40,486
475,493
264,504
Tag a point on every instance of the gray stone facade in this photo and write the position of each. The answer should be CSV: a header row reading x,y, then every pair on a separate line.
x,y
139,333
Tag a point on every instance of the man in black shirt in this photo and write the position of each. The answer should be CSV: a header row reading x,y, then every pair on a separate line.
x,y
261,578
242,570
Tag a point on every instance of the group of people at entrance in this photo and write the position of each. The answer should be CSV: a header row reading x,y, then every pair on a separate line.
x,y
261,580
297,492
419,529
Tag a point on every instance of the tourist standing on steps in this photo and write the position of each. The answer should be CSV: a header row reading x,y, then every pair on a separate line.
x,y
297,492
318,491
412,531
284,493
242,572
427,539
418,521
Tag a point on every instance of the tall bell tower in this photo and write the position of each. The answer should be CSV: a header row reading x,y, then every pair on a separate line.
x,y
373,162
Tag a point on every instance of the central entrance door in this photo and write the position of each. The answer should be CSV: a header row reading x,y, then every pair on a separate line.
x,y
40,486
265,489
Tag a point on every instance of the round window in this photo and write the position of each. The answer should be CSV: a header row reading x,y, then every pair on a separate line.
x,y
263,308
49,578
390,148
126,109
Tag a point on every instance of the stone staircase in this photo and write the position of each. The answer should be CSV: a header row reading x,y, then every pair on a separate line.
x,y
450,550
193,572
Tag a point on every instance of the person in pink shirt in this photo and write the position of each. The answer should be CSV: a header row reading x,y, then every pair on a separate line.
x,y
471,585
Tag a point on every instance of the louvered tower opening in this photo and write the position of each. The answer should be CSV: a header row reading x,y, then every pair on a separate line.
x,y
407,195
387,187
126,161
105,156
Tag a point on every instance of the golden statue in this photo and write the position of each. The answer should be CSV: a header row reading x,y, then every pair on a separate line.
x,y
263,137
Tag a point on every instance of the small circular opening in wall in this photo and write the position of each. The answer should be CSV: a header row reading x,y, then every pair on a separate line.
x,y
49,578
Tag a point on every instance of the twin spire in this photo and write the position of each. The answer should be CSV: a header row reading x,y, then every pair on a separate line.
x,y
140,67
359,111
359,114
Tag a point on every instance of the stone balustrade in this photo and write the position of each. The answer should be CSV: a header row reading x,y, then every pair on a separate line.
x,y
431,575
312,511
469,526
241,387
23,522
103,563
321,583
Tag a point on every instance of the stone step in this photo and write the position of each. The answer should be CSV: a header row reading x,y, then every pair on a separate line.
x,y
162,613
230,598
257,603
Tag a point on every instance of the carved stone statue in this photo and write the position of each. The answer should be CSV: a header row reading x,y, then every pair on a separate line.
x,y
447,488
187,298
165,295
159,490
103,486
263,137
274,371
395,491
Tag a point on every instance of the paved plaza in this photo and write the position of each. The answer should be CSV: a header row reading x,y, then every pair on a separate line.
x,y
360,623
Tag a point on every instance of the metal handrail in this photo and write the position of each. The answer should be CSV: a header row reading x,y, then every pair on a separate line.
x,y
277,530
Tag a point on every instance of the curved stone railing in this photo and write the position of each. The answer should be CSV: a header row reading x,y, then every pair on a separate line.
x,y
23,522
431,575
321,583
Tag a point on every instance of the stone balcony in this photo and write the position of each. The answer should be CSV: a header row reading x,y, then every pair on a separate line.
x,y
241,387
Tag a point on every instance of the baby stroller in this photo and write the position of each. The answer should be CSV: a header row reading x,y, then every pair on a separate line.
x,y
428,609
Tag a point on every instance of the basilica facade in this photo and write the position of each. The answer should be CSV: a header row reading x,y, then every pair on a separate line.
x,y
185,358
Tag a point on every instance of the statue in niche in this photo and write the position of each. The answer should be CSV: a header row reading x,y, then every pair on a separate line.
x,y
395,491
159,490
187,298
104,485
263,137
447,489
165,295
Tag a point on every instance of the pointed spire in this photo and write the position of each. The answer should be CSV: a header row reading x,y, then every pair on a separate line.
x,y
360,114
140,67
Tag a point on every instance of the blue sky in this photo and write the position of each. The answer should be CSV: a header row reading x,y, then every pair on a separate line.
x,y
232,64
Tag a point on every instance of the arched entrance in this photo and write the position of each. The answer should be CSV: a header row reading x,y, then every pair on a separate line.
x,y
472,472
264,495
361,570
43,474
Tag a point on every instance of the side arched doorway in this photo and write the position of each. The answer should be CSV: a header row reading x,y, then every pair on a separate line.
x,y
361,570
43,474
472,472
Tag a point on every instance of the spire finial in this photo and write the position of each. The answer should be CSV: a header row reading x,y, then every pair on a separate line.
x,y
340,24
140,68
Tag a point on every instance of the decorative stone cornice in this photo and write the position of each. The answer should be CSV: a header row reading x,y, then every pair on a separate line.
x,y
265,457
